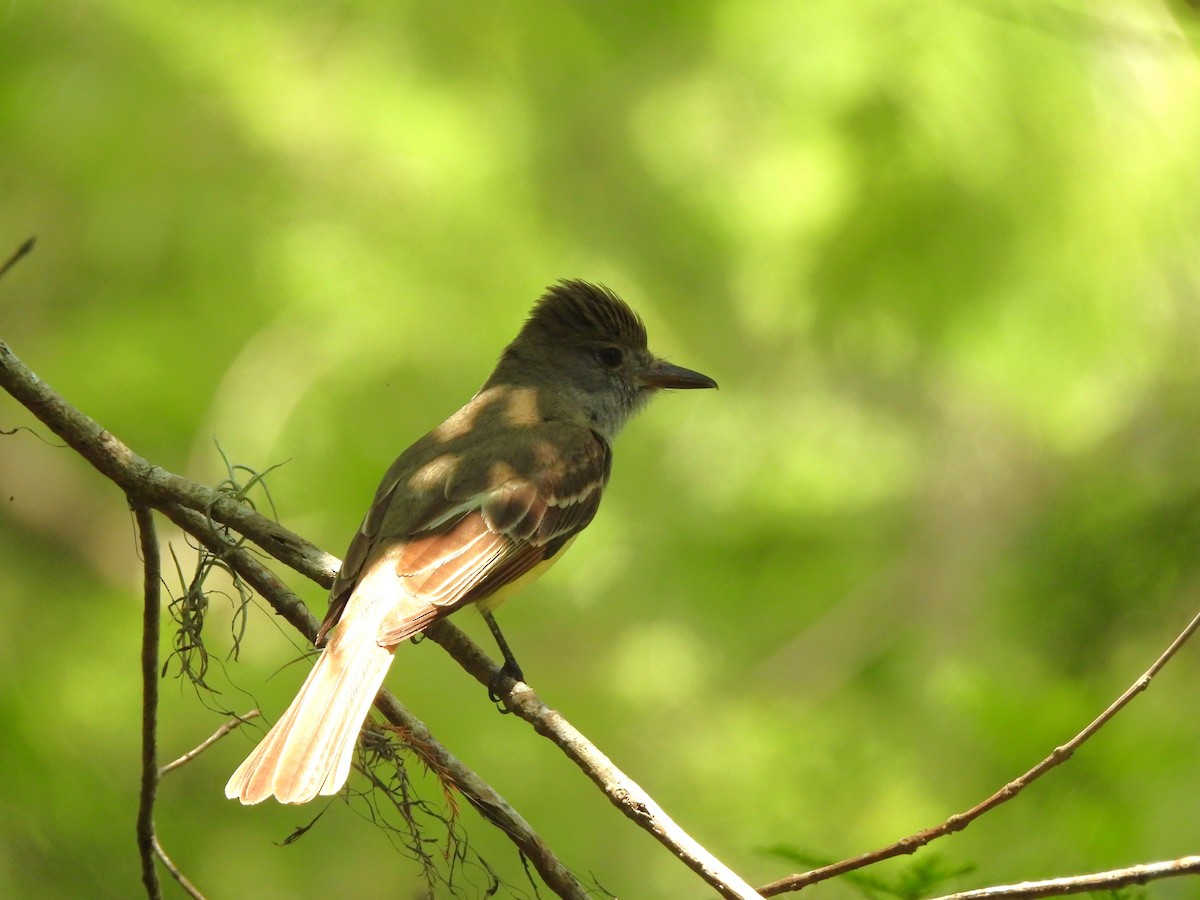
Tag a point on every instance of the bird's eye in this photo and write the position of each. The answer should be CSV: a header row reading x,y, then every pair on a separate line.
x,y
610,357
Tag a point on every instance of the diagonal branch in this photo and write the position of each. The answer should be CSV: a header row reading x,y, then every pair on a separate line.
x,y
208,742
621,790
481,795
191,505
194,507
18,255
151,484
958,822
169,864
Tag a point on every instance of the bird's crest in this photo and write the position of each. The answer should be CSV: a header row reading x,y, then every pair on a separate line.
x,y
588,309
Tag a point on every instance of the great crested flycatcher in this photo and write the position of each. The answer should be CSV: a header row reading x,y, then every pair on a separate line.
x,y
485,502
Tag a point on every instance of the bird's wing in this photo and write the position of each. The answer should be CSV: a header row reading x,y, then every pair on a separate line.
x,y
485,534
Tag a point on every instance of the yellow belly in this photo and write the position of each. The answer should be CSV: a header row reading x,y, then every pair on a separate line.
x,y
491,601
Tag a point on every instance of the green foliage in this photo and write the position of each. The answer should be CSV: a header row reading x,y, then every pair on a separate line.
x,y
1133,893
943,259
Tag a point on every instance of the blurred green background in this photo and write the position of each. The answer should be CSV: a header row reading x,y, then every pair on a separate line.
x,y
942,257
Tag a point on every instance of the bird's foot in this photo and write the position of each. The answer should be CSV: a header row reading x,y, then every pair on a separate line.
x,y
510,671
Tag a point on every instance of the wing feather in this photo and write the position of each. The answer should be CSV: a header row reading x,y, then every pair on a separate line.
x,y
510,529
488,529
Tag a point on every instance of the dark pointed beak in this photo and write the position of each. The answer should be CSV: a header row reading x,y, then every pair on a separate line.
x,y
664,375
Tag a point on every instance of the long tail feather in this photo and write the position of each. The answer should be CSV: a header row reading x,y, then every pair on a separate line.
x,y
310,749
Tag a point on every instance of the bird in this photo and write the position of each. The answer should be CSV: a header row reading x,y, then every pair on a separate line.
x,y
476,509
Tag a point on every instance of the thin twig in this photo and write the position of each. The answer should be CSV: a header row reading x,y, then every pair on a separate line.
x,y
20,252
189,888
1082,884
208,742
958,822
148,540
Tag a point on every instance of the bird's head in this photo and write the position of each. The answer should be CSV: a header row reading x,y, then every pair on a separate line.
x,y
585,352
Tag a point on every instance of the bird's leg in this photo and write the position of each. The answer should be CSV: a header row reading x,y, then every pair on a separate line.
x,y
510,669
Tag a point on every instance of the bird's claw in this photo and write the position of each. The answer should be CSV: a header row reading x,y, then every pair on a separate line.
x,y
510,670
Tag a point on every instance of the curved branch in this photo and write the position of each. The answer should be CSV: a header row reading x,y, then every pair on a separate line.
x,y
1084,884
191,506
958,822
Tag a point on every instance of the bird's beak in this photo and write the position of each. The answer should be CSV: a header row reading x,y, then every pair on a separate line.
x,y
664,375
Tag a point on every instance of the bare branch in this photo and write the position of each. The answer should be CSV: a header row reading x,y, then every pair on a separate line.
x,y
149,483
1082,884
481,795
148,540
194,507
189,888
208,742
621,790
20,252
958,822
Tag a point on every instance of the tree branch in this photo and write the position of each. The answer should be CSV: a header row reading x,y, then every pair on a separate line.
x,y
188,888
17,255
1082,884
194,508
191,505
621,790
958,822
148,540
208,742
151,484
478,792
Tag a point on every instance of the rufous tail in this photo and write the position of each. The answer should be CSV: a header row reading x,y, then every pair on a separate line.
x,y
310,749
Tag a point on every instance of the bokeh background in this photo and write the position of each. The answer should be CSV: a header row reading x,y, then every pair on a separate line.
x,y
942,257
